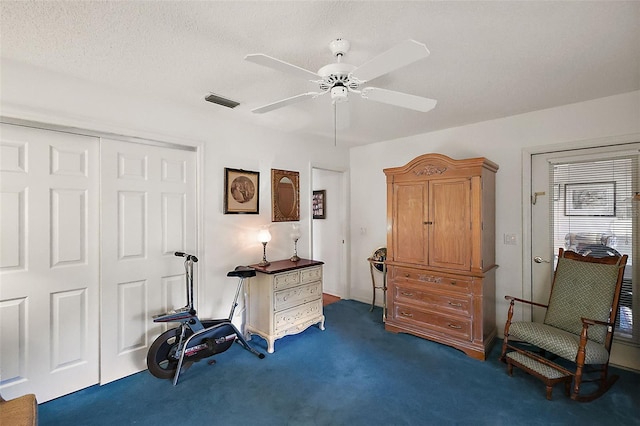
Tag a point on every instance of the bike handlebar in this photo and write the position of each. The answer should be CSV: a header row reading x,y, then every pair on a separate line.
x,y
188,256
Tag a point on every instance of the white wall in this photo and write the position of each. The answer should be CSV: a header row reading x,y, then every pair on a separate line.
x,y
223,140
501,141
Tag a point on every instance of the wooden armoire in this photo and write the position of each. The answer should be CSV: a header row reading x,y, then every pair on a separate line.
x,y
441,251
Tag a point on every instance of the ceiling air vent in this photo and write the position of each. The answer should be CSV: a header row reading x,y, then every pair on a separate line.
x,y
216,99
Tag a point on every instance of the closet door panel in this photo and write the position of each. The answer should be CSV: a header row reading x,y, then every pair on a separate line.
x,y
49,262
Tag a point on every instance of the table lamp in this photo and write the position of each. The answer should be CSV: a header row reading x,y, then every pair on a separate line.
x,y
264,236
295,236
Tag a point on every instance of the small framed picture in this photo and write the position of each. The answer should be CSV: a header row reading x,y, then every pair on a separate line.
x,y
319,204
590,199
241,191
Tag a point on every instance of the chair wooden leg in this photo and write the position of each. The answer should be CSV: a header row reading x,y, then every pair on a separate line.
x,y
549,390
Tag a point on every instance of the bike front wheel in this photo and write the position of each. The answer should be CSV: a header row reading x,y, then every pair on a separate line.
x,y
162,360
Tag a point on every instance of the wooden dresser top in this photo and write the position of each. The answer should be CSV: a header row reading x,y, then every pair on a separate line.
x,y
284,265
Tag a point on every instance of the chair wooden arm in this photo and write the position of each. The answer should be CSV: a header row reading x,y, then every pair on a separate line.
x,y
515,299
588,321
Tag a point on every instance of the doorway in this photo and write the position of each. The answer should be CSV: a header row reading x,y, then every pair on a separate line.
x,y
328,235
585,199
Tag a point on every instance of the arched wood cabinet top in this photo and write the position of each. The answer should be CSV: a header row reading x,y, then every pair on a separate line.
x,y
438,165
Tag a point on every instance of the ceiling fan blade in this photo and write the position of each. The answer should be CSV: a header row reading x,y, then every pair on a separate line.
x,y
395,58
285,102
403,100
277,64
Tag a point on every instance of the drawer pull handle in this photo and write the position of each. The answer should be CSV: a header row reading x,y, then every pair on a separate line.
x,y
453,283
406,293
457,327
407,275
406,314
457,305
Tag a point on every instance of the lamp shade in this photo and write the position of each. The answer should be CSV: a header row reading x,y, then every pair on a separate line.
x,y
264,236
295,231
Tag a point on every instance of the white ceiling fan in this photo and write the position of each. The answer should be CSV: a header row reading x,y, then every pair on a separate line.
x,y
339,78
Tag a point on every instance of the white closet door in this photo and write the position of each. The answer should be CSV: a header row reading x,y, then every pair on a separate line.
x,y
148,213
48,262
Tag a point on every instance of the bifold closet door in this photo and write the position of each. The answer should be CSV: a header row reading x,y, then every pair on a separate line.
x,y
49,254
148,213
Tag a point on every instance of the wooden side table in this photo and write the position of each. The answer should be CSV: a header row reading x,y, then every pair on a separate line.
x,y
376,261
284,298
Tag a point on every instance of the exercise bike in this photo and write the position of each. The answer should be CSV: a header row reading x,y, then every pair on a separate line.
x,y
177,349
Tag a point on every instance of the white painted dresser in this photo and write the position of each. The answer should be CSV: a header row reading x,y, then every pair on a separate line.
x,y
284,298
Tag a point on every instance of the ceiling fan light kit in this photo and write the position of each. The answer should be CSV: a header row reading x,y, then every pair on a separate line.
x,y
340,78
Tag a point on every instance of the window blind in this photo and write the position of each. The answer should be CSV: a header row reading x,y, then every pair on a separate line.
x,y
595,211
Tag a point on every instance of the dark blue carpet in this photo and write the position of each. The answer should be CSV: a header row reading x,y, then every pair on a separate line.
x,y
353,373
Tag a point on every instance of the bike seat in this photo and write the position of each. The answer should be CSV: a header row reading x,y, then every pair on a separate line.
x,y
242,272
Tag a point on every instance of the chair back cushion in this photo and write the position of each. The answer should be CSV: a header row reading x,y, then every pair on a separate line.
x,y
582,289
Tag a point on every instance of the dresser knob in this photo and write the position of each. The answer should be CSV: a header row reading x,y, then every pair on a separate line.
x,y
406,293
457,327
407,275
457,305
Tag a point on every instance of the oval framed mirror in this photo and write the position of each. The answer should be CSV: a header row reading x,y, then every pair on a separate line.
x,y
285,195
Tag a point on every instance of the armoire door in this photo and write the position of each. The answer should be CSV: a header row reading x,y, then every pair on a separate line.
x,y
148,213
49,262
410,216
450,223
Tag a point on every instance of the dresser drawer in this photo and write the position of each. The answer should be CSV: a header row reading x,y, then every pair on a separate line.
x,y
458,327
437,280
297,315
287,298
455,303
311,274
286,280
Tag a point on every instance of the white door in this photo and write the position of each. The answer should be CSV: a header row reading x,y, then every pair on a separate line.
x,y
541,246
48,262
148,213
328,234
573,167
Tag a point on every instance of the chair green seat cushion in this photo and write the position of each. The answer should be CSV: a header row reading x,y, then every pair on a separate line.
x,y
557,341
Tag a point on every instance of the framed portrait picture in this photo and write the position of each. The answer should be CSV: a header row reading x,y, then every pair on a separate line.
x,y
319,204
241,191
590,199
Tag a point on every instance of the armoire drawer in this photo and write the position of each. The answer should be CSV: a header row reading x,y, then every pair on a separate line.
x,y
460,327
443,281
289,297
455,303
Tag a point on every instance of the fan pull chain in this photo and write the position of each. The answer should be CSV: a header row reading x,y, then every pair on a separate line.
x,y
335,124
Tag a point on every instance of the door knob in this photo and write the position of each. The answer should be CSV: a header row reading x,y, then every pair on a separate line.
x,y
538,259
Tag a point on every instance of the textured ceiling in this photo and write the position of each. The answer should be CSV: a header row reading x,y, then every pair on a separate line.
x,y
488,59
